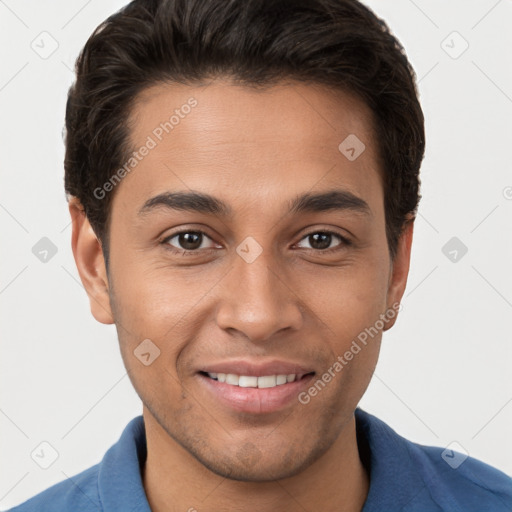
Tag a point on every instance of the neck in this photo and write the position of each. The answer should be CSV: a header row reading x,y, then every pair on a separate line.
x,y
174,480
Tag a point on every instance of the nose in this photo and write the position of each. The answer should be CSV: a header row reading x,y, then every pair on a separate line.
x,y
257,300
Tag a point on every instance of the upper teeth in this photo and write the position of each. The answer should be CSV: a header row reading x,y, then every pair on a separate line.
x,y
249,381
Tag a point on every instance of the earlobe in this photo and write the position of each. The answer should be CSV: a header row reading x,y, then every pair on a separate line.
x,y
400,270
90,263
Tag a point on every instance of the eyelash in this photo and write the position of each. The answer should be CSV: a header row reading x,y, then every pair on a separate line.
x,y
189,252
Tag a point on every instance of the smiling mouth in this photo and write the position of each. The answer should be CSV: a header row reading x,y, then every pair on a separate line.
x,y
251,381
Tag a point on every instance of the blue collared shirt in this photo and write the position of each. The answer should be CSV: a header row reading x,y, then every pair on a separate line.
x,y
404,476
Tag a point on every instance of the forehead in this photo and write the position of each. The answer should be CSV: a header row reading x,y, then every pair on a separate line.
x,y
233,140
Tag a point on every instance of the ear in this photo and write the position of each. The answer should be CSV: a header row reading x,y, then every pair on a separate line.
x,y
400,270
90,263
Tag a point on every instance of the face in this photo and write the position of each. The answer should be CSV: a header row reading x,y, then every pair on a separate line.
x,y
276,269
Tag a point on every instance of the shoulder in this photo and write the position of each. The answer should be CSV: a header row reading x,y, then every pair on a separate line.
x,y
79,492
420,477
457,480
115,483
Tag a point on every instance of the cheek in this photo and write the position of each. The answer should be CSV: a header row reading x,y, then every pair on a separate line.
x,y
349,302
154,299
163,306
147,317
349,298
350,341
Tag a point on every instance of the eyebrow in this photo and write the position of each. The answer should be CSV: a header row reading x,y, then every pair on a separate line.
x,y
306,203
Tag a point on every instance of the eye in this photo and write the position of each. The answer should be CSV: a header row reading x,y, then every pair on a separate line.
x,y
187,241
321,241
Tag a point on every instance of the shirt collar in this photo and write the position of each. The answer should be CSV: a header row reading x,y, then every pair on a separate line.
x,y
394,478
120,478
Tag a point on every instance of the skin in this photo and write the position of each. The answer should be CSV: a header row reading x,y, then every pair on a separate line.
x,y
255,150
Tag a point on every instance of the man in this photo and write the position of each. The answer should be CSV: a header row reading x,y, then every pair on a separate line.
x,y
243,182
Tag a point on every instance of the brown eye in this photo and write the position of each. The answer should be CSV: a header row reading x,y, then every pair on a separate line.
x,y
322,240
190,241
187,240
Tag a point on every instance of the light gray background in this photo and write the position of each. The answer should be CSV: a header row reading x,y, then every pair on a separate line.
x,y
444,372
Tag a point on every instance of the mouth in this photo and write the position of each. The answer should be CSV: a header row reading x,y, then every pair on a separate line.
x,y
254,394
253,381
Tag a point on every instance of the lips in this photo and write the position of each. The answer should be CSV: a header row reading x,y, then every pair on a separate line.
x,y
254,400
255,387
262,369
